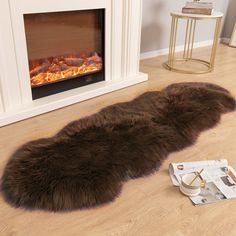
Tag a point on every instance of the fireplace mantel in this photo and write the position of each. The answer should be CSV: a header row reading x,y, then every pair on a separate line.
x,y
122,50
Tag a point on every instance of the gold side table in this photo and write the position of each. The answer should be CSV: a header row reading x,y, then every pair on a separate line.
x,y
182,64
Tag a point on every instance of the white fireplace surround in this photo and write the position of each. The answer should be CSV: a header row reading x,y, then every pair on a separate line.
x,y
122,48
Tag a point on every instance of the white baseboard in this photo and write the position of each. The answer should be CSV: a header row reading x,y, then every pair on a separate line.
x,y
165,51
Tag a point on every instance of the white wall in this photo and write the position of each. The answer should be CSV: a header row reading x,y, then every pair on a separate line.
x,y
230,19
157,22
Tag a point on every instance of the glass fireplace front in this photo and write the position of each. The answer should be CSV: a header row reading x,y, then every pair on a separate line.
x,y
65,50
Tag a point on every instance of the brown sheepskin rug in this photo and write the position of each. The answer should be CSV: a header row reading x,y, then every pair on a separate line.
x,y
87,162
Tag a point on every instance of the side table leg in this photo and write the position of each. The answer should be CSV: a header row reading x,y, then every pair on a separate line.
x,y
215,43
173,35
186,40
193,37
171,40
189,39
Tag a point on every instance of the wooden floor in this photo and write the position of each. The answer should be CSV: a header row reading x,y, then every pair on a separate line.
x,y
148,206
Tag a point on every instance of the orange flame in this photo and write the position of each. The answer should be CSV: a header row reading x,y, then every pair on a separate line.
x,y
55,69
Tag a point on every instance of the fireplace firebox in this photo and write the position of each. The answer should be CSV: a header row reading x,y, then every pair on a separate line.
x,y
65,50
57,53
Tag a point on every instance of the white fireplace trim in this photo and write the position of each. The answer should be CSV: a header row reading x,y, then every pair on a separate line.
x,y
60,100
21,7
123,29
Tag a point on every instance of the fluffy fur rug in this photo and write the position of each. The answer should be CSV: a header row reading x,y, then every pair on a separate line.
x,y
87,162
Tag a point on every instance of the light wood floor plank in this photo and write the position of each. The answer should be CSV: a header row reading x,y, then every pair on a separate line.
x,y
147,206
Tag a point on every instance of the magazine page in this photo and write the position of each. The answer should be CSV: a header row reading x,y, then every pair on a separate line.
x,y
220,179
219,186
178,169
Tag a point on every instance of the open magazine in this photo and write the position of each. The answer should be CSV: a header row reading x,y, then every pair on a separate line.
x,y
220,179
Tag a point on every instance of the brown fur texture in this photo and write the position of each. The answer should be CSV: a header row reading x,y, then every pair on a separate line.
x,y
87,162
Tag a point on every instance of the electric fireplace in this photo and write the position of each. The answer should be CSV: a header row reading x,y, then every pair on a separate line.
x,y
57,53
65,50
